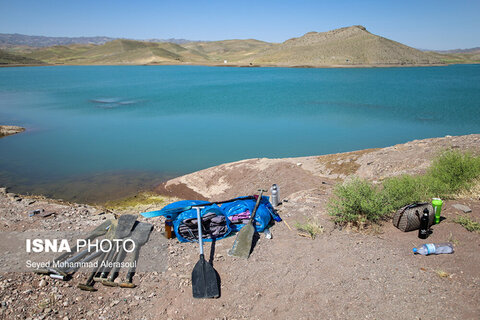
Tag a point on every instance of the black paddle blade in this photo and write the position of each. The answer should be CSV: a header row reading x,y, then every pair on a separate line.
x,y
204,280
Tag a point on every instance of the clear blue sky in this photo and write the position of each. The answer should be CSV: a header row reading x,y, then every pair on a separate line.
x,y
429,24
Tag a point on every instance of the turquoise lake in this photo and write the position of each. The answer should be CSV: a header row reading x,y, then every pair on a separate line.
x,y
102,132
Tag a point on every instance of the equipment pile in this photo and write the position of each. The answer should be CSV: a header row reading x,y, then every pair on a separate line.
x,y
121,237
192,220
201,221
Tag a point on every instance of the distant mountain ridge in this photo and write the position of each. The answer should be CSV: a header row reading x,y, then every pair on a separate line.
x,y
469,50
8,40
349,46
12,40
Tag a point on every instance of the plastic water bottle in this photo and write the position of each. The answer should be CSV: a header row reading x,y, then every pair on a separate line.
x,y
268,233
434,248
275,197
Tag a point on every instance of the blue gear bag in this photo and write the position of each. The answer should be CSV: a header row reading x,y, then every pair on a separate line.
x,y
215,224
239,212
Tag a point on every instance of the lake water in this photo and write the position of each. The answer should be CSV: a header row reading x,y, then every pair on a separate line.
x,y
101,132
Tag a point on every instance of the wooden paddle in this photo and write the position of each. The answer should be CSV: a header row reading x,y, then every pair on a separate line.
x,y
243,243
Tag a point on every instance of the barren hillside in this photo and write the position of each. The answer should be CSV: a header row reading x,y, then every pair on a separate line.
x,y
345,46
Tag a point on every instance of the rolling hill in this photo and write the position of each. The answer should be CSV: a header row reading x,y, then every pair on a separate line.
x,y
7,58
350,46
230,50
345,46
115,52
140,52
470,57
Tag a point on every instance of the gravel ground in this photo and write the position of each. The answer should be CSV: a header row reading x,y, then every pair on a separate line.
x,y
340,274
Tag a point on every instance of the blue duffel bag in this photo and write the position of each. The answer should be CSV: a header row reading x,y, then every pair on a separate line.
x,y
239,212
215,224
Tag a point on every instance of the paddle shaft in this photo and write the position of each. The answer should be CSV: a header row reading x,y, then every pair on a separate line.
x,y
139,237
88,285
256,206
133,268
98,231
200,236
124,228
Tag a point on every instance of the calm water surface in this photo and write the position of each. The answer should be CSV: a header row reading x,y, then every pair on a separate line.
x,y
99,132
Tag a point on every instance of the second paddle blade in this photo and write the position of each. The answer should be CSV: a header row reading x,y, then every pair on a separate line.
x,y
243,243
204,280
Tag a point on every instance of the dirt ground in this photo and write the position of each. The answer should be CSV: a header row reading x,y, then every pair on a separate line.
x,y
341,274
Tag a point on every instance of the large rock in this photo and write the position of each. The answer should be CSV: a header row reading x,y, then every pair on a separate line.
x,y
9,130
462,207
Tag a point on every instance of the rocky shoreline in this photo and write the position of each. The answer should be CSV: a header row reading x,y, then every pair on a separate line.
x,y
288,276
248,65
304,173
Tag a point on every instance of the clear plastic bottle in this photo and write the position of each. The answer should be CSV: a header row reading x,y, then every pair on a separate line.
x,y
434,248
268,233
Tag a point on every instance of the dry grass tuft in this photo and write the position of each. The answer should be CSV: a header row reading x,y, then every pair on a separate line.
x,y
442,274
310,229
472,193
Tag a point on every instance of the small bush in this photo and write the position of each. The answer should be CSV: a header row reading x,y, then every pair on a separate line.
x,y
453,171
356,201
400,191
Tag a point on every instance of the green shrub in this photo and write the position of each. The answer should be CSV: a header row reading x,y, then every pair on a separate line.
x,y
356,201
453,171
400,191
359,201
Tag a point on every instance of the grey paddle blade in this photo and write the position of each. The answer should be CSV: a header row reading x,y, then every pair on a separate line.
x,y
140,233
140,237
125,225
243,243
204,280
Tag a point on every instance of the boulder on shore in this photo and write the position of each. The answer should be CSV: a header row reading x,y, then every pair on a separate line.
x,y
9,130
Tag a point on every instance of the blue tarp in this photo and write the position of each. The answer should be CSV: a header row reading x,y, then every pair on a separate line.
x,y
181,211
264,214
